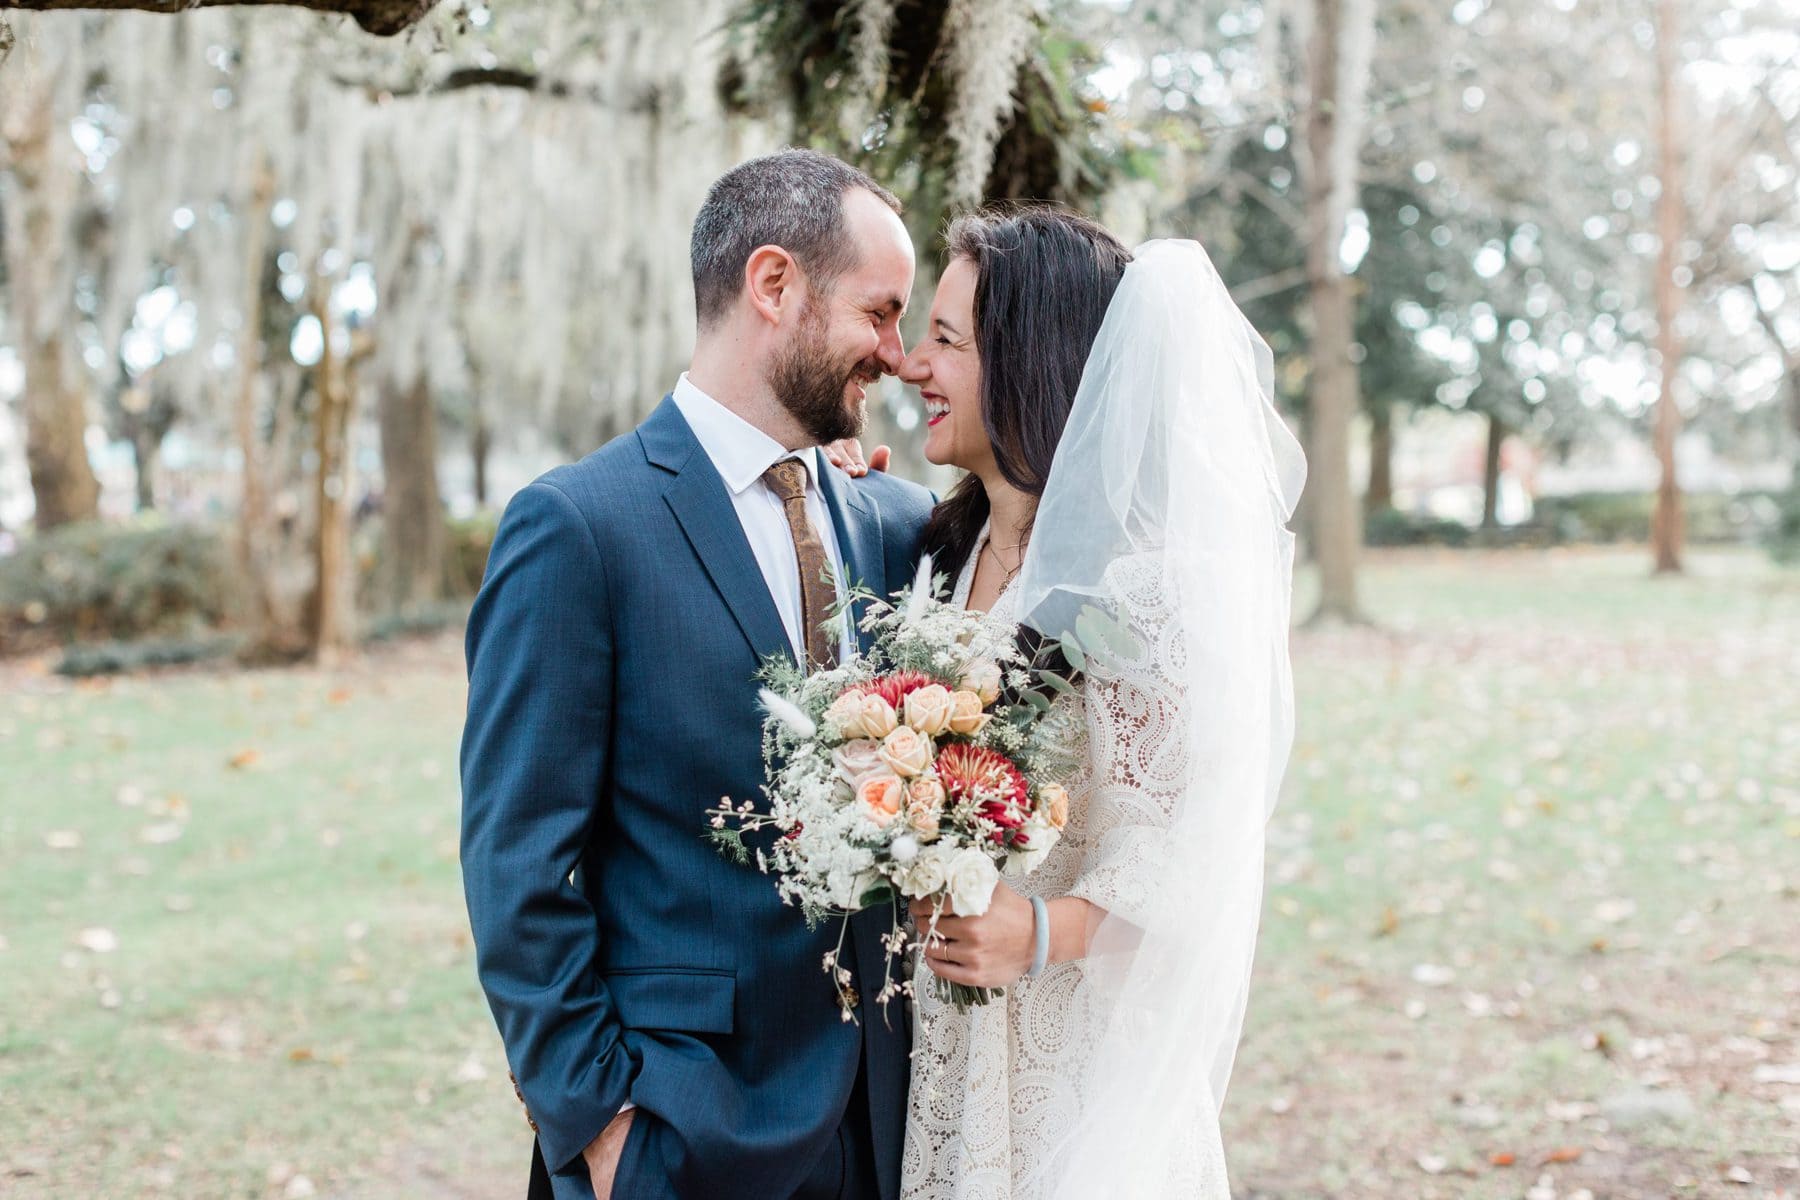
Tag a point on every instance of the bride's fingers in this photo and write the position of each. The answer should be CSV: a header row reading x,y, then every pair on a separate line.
x,y
923,911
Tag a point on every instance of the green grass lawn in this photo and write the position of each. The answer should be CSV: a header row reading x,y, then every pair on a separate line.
x,y
1533,921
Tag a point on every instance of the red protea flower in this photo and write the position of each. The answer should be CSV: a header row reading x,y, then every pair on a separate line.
x,y
894,688
990,779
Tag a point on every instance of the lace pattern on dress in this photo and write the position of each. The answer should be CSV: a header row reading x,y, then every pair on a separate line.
x,y
996,1090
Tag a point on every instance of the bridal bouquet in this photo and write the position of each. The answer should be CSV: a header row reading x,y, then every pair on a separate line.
x,y
923,769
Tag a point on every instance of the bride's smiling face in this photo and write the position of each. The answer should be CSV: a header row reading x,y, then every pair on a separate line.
x,y
946,368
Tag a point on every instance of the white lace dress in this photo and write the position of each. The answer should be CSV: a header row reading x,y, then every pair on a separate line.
x,y
997,1089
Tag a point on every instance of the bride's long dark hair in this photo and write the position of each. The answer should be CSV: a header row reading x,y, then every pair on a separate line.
x,y
1043,280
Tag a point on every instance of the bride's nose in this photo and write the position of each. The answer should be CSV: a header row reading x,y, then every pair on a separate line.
x,y
913,368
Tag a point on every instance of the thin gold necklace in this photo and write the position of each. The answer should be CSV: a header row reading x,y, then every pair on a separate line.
x,y
988,548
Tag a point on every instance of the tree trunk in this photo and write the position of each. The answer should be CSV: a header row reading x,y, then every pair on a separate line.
x,y
272,636
413,538
54,404
1380,493
332,609
1330,162
1666,524
481,444
1490,473
144,443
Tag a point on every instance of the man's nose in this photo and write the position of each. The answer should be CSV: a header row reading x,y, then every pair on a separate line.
x,y
912,367
891,351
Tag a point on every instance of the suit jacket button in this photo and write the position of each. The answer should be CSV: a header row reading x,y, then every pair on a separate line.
x,y
517,1091
848,998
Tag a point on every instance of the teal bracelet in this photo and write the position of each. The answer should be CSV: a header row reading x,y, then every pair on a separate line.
x,y
1040,953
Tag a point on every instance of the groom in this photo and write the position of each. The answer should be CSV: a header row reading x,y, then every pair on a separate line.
x,y
668,1023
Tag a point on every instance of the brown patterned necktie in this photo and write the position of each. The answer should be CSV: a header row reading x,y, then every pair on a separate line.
x,y
788,479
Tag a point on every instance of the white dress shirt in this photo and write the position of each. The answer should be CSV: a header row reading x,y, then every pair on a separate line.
x,y
741,452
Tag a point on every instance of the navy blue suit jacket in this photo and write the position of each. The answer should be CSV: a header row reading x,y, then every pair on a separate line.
x,y
611,652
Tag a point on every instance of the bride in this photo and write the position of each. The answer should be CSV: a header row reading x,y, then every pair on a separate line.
x,y
1113,413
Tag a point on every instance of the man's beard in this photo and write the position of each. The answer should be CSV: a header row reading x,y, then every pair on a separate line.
x,y
811,385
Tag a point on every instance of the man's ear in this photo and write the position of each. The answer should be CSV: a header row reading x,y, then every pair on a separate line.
x,y
773,282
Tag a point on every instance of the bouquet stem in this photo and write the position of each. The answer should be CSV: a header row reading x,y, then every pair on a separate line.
x,y
961,996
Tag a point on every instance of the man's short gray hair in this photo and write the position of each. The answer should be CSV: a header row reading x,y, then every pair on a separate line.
x,y
793,199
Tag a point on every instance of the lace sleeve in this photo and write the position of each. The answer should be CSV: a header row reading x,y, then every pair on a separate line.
x,y
1137,760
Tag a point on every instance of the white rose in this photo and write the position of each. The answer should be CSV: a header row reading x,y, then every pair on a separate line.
x,y
982,678
847,889
1039,837
930,871
970,882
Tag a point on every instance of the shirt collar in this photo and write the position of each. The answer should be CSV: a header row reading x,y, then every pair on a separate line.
x,y
740,452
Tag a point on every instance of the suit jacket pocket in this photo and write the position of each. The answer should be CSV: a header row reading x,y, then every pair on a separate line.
x,y
688,999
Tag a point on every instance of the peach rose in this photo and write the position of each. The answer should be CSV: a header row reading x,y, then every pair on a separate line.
x,y
928,709
1055,801
874,718
966,716
857,760
906,751
983,678
845,714
924,802
880,797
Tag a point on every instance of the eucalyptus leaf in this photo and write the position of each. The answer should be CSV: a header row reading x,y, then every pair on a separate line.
x,y
1101,629
1071,649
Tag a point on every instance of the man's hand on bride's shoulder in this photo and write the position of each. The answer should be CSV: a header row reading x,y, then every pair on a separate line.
x,y
847,456
989,951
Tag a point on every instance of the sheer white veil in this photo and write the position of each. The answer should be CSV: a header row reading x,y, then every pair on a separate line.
x,y
1175,466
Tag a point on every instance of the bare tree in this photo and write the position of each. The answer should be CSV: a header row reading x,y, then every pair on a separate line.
x,y
1340,36
43,171
1666,532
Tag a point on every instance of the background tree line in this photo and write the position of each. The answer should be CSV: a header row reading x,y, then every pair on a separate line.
x,y
307,265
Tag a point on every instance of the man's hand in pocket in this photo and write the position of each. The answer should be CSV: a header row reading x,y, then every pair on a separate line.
x,y
602,1154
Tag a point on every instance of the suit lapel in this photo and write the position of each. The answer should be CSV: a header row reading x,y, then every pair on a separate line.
x,y
703,507
858,525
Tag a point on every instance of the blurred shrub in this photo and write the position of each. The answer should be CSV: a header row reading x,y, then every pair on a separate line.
x,y
1391,527
470,540
1711,517
465,558
433,618
124,582
1783,537
118,658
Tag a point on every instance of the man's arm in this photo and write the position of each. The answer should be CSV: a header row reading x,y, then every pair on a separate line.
x,y
540,660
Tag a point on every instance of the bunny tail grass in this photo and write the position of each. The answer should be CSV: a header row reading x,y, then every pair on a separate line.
x,y
788,713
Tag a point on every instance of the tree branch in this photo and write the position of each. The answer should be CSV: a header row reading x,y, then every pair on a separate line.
x,y
382,17
1268,285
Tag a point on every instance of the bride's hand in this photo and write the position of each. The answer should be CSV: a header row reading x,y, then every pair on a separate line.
x,y
989,951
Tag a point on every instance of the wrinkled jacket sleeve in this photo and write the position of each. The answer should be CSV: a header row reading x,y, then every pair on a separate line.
x,y
540,659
